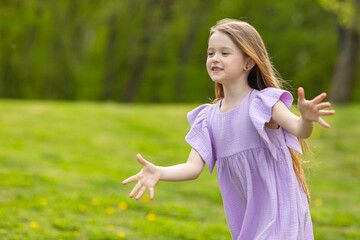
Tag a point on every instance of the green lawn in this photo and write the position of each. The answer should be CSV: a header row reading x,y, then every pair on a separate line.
x,y
62,165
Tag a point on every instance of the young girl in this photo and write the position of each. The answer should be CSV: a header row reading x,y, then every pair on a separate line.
x,y
251,135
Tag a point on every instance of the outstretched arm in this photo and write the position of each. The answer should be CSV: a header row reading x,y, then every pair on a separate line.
x,y
183,172
311,111
150,174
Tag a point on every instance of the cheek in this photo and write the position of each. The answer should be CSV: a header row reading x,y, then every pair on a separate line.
x,y
208,64
235,69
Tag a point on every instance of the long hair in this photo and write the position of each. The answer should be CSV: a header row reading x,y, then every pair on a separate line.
x,y
261,76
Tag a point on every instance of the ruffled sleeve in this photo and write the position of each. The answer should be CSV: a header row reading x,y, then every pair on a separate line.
x,y
260,113
199,136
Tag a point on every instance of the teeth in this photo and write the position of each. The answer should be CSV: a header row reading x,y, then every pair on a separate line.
x,y
216,69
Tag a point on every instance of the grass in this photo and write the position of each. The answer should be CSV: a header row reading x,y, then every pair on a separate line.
x,y
62,165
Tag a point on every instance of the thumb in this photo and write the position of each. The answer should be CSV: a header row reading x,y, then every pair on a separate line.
x,y
141,160
301,94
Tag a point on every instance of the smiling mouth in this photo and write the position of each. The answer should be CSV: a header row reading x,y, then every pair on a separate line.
x,y
216,69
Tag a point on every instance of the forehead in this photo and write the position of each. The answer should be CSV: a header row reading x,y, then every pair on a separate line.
x,y
220,39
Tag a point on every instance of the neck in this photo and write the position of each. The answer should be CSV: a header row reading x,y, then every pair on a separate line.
x,y
235,92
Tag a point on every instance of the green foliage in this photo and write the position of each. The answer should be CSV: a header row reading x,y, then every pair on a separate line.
x,y
347,12
62,165
153,50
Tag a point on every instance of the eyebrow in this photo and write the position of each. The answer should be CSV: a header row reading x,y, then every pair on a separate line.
x,y
228,48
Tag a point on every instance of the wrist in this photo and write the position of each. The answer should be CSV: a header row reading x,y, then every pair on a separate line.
x,y
304,120
159,171
305,128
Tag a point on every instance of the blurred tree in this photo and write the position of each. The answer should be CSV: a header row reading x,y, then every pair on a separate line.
x,y
199,13
343,81
110,71
150,50
149,21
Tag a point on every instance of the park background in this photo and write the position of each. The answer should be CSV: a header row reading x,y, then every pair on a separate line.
x,y
85,85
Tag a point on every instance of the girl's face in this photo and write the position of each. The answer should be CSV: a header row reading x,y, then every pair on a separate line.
x,y
225,61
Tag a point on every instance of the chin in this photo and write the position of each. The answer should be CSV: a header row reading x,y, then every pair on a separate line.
x,y
217,80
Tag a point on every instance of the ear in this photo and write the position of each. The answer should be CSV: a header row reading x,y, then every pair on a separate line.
x,y
249,63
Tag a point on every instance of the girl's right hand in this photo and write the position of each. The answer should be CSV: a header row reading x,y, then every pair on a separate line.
x,y
148,177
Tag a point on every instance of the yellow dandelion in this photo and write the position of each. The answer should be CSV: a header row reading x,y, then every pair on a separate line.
x,y
150,217
123,205
43,201
111,227
95,202
121,234
318,202
82,208
76,233
145,199
110,210
33,224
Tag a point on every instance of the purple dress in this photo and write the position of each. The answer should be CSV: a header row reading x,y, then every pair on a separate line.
x,y
261,195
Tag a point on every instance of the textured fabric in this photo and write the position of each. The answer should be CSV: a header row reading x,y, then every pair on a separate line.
x,y
261,195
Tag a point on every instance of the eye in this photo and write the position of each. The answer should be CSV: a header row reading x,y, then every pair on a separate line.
x,y
210,54
225,53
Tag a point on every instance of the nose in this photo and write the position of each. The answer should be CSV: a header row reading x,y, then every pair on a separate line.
x,y
216,58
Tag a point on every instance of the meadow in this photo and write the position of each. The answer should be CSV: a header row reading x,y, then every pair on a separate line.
x,y
62,164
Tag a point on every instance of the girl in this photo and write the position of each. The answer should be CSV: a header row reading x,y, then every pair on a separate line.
x,y
251,135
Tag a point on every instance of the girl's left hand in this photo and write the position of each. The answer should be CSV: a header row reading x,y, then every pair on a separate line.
x,y
311,110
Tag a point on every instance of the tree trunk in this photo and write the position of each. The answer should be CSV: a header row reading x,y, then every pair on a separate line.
x,y
201,12
138,68
345,73
110,67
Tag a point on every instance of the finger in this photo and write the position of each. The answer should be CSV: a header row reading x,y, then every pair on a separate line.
x,y
135,189
141,192
326,112
152,193
141,160
301,94
323,123
319,98
130,179
323,105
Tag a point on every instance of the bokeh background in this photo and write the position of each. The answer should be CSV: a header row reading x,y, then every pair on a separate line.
x,y
155,50
69,135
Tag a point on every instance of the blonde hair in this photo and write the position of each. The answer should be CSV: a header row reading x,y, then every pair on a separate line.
x,y
261,76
